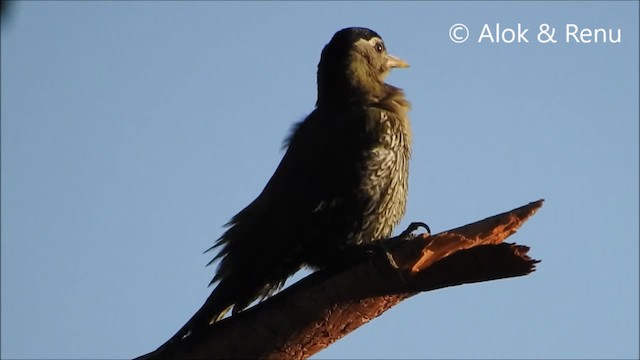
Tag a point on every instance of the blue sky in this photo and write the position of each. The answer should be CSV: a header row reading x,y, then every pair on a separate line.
x,y
132,131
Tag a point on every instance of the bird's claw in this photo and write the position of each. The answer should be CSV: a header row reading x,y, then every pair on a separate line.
x,y
407,233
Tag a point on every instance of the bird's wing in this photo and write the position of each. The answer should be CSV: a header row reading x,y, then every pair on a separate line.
x,y
317,172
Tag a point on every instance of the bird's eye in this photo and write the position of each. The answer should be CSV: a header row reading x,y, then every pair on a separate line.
x,y
379,47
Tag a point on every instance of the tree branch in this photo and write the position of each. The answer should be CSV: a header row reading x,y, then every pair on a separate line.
x,y
327,305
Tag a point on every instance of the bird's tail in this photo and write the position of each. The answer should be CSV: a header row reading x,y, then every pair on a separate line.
x,y
214,309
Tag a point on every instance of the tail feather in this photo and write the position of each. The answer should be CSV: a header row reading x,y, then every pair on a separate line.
x,y
214,309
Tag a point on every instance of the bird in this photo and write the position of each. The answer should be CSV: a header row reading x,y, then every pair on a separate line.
x,y
342,182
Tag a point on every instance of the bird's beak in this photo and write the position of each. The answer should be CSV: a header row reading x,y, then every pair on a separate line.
x,y
396,62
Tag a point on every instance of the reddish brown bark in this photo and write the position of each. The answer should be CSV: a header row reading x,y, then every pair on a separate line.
x,y
327,305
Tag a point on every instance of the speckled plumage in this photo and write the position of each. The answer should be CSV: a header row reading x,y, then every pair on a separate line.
x,y
342,181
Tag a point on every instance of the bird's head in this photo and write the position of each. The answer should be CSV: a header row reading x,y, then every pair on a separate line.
x,y
353,66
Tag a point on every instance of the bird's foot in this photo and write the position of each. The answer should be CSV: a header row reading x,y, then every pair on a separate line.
x,y
384,246
407,234
371,250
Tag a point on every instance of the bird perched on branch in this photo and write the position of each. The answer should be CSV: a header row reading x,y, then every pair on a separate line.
x,y
342,181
